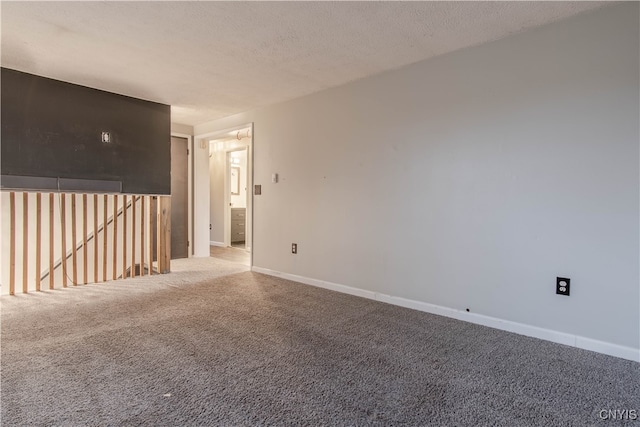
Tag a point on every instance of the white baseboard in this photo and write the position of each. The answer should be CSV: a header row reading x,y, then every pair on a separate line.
x,y
603,347
221,244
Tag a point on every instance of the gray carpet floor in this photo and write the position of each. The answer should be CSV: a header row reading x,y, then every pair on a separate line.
x,y
215,344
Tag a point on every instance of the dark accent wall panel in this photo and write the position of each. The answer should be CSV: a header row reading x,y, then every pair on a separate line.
x,y
54,129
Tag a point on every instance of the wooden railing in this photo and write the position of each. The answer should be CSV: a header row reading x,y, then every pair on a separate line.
x,y
82,238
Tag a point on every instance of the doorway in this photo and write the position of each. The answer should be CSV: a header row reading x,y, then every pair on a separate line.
x,y
179,198
230,184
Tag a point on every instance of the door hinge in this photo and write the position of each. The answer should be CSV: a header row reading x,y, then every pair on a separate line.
x,y
187,151
188,243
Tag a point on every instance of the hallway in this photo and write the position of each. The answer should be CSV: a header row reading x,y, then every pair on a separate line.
x,y
237,255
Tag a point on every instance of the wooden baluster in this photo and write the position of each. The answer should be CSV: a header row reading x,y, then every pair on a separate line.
x,y
25,241
95,238
164,234
74,241
133,237
105,247
85,251
63,222
51,254
124,237
151,215
143,200
12,245
38,239
115,236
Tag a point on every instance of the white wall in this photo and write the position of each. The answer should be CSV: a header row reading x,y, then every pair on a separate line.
x,y
216,195
470,180
180,128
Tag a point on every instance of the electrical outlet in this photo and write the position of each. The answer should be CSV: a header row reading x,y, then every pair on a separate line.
x,y
294,248
562,285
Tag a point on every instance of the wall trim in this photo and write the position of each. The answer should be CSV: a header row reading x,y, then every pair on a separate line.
x,y
572,340
221,244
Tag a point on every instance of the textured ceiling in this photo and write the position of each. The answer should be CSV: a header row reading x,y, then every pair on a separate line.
x,y
213,59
